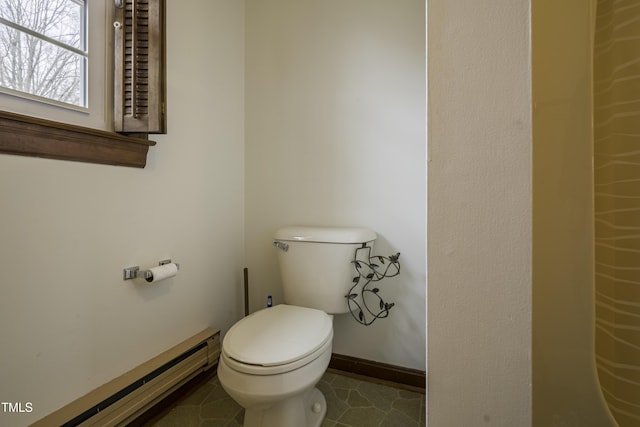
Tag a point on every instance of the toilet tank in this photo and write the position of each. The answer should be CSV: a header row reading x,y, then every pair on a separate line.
x,y
315,264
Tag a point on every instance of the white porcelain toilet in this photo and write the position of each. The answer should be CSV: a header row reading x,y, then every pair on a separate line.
x,y
272,359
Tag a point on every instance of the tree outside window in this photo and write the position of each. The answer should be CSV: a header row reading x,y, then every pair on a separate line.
x,y
43,49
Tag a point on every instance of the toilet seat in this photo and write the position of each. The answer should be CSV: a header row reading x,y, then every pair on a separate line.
x,y
277,339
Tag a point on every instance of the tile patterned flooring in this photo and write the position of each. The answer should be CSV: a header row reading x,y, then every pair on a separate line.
x,y
350,403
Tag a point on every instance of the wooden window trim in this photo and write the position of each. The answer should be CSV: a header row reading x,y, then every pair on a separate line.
x,y
29,136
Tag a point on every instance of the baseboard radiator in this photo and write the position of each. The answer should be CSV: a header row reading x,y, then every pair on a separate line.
x,y
122,400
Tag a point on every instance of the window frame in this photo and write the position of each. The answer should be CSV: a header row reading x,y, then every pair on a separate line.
x,y
81,51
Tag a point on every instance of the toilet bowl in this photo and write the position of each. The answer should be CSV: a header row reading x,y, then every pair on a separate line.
x,y
272,360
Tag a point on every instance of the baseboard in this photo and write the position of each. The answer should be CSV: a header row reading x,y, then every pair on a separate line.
x,y
155,414
126,397
378,370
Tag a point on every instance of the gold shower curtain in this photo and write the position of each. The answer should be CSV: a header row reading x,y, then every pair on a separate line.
x,y
617,205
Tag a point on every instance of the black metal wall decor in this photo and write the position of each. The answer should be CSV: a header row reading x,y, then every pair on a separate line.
x,y
370,269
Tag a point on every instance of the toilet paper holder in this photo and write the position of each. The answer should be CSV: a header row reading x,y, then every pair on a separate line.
x,y
135,272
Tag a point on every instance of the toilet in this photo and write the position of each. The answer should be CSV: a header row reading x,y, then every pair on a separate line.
x,y
272,359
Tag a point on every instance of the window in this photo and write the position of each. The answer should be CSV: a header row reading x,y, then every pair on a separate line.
x,y
86,133
43,49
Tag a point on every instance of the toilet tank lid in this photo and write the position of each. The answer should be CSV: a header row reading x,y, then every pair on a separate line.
x,y
326,234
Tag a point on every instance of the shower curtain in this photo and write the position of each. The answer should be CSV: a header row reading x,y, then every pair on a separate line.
x,y
616,100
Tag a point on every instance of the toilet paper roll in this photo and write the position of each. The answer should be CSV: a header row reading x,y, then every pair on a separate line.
x,y
162,272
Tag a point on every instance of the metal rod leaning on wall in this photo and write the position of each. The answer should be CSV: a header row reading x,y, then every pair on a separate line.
x,y
246,291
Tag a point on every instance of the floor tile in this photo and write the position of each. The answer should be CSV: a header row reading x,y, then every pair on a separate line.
x,y
350,403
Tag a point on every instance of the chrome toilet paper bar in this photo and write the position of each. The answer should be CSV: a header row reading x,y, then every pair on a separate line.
x,y
135,272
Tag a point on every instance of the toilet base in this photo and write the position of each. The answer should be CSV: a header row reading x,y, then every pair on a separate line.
x,y
308,410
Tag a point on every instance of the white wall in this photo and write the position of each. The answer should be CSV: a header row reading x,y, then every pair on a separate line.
x,y
479,219
335,135
68,322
